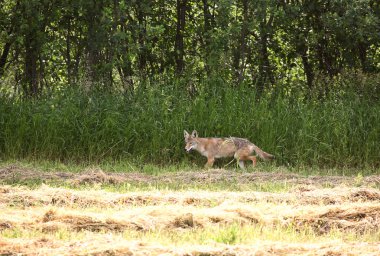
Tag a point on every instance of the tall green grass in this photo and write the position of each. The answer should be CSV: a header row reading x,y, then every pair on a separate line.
x,y
342,129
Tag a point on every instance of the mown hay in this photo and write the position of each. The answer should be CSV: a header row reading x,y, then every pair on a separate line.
x,y
330,196
354,217
184,221
96,175
5,225
17,173
45,195
152,210
93,176
105,245
102,219
363,195
80,222
140,219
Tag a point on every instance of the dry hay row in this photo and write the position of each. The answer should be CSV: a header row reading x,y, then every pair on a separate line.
x,y
359,217
96,175
140,219
45,195
110,245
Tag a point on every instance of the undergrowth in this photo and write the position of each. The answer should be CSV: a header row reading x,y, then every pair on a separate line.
x,y
71,125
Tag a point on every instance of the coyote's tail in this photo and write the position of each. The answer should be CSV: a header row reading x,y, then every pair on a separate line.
x,y
262,154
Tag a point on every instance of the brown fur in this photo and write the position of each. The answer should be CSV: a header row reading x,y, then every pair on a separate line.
x,y
239,148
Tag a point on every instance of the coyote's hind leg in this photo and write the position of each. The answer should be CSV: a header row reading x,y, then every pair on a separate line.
x,y
241,164
244,155
253,159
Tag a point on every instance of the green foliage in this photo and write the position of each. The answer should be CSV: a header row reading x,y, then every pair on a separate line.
x,y
47,45
228,235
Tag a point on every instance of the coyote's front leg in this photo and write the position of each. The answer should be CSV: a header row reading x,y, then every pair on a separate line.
x,y
210,162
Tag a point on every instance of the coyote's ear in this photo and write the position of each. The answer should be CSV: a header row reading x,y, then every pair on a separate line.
x,y
185,134
194,134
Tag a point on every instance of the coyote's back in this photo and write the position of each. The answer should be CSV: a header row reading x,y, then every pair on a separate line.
x,y
239,148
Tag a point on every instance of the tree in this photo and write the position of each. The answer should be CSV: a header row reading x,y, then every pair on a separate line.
x,y
179,40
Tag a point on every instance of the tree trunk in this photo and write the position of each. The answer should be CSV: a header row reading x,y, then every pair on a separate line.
x,y
362,48
31,58
3,58
142,64
94,41
302,50
243,42
308,70
179,42
206,36
265,69
68,51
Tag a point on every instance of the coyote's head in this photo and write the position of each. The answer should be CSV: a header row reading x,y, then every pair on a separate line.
x,y
190,140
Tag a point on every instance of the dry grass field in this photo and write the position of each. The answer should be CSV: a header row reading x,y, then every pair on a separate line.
x,y
214,212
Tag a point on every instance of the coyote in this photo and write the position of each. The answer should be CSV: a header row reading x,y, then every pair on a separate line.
x,y
240,149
